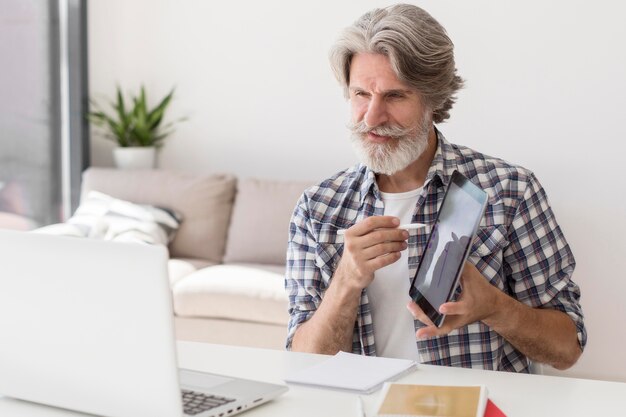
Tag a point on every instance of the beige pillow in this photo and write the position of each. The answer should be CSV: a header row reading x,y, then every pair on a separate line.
x,y
233,292
204,201
259,228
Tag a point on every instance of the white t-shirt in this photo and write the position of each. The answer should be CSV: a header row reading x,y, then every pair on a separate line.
x,y
394,330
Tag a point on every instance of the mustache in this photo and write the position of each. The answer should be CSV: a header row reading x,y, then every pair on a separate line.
x,y
395,132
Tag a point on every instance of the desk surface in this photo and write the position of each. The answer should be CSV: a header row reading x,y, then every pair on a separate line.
x,y
516,395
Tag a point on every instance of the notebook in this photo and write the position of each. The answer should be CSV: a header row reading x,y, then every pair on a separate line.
x,y
413,400
492,410
353,373
87,325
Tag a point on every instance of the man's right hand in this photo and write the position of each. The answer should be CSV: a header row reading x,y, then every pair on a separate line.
x,y
369,245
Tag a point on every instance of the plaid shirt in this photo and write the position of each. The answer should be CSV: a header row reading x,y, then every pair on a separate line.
x,y
519,248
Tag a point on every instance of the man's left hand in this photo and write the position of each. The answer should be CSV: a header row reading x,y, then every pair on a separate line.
x,y
478,300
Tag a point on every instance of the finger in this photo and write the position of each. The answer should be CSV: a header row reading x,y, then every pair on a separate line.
x,y
427,332
374,222
384,235
454,308
450,323
383,248
418,313
382,261
467,268
357,244
469,271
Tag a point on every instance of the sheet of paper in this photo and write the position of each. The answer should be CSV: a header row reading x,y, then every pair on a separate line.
x,y
357,373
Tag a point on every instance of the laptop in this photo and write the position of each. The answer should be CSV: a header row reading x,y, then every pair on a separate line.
x,y
87,325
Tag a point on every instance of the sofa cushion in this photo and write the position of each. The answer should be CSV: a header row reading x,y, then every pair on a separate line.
x,y
232,292
204,201
276,269
179,268
260,223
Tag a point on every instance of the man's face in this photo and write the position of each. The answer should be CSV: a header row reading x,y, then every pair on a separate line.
x,y
389,122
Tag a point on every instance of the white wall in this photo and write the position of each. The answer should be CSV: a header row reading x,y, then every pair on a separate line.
x,y
546,88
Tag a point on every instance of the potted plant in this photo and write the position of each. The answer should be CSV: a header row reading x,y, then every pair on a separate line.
x,y
136,129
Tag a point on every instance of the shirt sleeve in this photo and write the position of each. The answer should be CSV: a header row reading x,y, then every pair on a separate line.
x,y
303,281
539,260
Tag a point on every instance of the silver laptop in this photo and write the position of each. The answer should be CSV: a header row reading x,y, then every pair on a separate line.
x,y
87,325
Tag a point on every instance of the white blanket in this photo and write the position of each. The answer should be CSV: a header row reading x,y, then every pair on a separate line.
x,y
101,216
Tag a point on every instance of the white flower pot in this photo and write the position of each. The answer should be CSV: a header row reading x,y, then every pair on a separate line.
x,y
139,157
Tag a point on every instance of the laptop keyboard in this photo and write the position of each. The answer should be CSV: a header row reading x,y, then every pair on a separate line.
x,y
197,402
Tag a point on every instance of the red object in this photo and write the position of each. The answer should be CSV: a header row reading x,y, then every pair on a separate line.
x,y
492,410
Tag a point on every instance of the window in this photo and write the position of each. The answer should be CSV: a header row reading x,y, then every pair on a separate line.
x,y
43,133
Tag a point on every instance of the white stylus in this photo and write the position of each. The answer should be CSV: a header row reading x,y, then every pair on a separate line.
x,y
408,226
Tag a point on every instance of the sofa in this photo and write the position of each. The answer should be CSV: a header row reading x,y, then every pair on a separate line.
x,y
227,258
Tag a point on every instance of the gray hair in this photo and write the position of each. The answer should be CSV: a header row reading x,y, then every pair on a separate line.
x,y
418,47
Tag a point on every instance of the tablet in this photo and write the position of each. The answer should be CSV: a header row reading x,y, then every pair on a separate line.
x,y
448,246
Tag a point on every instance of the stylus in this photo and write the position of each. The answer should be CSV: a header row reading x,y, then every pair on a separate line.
x,y
408,226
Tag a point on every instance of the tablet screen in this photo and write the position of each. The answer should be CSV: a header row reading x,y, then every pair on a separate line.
x,y
450,238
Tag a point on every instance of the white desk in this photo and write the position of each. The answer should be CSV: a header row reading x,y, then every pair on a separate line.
x,y
516,395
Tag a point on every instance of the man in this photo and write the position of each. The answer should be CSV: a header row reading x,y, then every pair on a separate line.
x,y
518,302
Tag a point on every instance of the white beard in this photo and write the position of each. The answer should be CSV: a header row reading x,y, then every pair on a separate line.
x,y
388,158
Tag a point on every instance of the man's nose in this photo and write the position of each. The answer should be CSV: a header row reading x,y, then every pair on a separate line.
x,y
376,114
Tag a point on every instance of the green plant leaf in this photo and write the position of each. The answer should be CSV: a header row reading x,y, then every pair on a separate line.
x,y
120,107
155,116
133,125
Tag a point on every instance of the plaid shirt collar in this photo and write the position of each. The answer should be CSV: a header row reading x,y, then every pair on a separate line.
x,y
441,169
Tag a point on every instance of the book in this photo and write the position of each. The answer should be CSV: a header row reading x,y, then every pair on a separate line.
x,y
412,400
353,373
492,410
